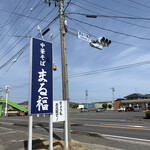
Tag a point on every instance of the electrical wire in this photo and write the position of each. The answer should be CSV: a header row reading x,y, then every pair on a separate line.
x,y
106,16
139,4
90,34
106,70
106,8
109,30
111,18
15,44
124,4
20,15
20,52
13,25
13,11
67,5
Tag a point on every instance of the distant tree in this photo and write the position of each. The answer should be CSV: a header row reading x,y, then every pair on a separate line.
x,y
104,105
75,106
109,106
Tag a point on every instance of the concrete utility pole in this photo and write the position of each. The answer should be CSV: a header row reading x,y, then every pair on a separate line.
x,y
86,94
113,90
64,62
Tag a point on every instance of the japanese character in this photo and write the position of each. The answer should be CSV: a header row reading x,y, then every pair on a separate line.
x,y
45,107
42,57
42,45
42,74
42,91
56,110
42,63
42,51
39,104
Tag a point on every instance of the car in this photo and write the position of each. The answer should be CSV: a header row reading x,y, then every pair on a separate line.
x,y
129,109
84,110
121,109
100,109
137,108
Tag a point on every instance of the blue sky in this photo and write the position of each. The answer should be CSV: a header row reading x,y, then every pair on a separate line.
x,y
130,45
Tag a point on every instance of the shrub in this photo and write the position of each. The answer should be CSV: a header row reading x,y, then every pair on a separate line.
x,y
104,105
12,115
147,115
75,106
109,106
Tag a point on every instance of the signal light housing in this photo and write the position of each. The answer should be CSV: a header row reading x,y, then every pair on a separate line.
x,y
54,67
104,41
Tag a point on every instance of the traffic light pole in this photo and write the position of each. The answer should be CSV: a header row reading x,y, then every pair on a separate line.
x,y
64,63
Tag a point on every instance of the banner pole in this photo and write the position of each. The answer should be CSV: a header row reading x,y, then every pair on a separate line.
x,y
50,132
30,133
66,126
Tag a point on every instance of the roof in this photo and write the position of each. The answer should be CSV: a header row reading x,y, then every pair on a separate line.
x,y
119,99
135,95
147,95
136,101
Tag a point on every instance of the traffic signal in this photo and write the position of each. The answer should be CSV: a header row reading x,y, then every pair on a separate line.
x,y
104,41
54,67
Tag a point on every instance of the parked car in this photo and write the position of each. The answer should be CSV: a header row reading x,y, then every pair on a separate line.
x,y
84,110
137,108
100,109
121,109
129,109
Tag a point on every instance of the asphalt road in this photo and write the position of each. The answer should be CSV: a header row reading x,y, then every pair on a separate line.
x,y
122,124
115,125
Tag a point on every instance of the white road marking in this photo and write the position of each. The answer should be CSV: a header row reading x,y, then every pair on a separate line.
x,y
123,137
7,133
98,119
6,123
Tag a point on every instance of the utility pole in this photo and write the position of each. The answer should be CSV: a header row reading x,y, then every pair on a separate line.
x,y
113,90
86,94
64,62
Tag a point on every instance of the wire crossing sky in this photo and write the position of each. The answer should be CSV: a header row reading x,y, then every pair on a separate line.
x,y
123,65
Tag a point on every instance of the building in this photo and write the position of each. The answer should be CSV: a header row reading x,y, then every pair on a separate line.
x,y
134,99
88,105
100,104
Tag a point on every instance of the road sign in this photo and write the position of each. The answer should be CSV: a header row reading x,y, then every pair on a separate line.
x,y
41,75
84,36
59,111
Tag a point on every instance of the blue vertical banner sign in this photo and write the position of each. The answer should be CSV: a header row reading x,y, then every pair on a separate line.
x,y
41,77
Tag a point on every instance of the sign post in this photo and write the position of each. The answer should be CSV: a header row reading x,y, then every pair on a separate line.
x,y
60,115
41,82
7,89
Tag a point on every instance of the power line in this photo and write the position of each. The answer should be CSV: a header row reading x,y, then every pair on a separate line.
x,y
106,70
20,52
120,2
106,8
13,24
106,16
13,11
111,18
20,15
139,4
126,44
18,36
15,44
109,30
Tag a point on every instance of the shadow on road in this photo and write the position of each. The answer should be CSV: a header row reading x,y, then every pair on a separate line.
x,y
54,135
